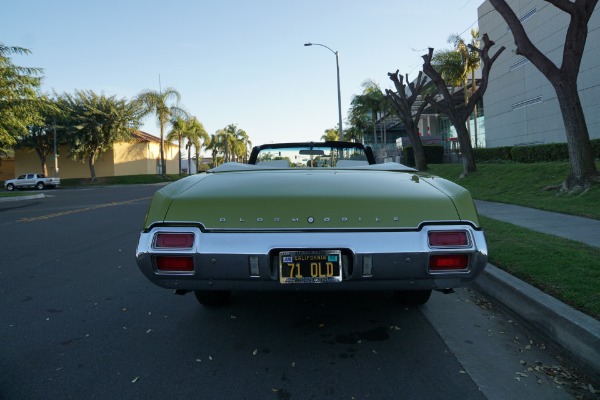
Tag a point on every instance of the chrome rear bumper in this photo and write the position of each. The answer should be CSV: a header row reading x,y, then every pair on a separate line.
x,y
373,260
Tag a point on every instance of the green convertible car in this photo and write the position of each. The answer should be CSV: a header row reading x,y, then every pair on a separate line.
x,y
312,216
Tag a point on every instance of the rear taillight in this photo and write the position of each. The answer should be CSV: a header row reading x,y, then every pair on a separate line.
x,y
448,238
174,240
174,263
448,262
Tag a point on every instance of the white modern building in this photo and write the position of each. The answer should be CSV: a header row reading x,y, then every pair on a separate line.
x,y
520,104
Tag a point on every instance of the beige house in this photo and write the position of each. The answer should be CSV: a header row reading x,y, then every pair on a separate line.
x,y
141,156
7,166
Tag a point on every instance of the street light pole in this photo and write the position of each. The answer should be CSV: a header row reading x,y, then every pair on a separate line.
x,y
337,64
56,174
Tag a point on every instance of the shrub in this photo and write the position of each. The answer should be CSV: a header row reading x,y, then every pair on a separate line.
x,y
493,154
540,153
596,147
433,155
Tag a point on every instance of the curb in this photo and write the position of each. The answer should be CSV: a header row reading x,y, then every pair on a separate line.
x,y
17,198
576,333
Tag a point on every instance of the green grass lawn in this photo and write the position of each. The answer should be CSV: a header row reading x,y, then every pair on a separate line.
x,y
523,184
567,270
119,180
16,193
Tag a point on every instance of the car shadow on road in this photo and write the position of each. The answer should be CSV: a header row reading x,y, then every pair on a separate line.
x,y
314,344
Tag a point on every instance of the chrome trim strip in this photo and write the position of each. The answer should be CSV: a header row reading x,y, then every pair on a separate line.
x,y
203,228
261,243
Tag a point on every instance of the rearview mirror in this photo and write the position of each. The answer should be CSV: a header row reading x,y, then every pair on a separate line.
x,y
312,152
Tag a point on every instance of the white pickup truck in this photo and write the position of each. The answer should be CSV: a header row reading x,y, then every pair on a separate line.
x,y
38,181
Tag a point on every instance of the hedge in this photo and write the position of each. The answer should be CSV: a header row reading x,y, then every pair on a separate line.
x,y
530,154
492,154
433,155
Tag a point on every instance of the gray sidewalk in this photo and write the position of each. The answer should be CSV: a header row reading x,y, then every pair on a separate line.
x,y
580,229
578,334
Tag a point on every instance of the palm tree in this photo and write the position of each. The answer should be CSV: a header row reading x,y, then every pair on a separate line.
x,y
331,135
234,142
224,138
359,125
372,103
176,133
471,62
158,103
242,145
369,102
456,65
354,134
194,132
216,146
450,65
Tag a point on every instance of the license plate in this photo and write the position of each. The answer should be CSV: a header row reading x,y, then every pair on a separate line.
x,y
318,266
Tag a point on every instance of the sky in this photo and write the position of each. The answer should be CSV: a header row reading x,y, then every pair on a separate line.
x,y
233,61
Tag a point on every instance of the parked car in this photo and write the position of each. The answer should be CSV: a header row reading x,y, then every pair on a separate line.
x,y
37,181
311,216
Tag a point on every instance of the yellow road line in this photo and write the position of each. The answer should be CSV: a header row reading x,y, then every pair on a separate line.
x,y
79,210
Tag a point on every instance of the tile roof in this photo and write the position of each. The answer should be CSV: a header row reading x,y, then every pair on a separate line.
x,y
141,136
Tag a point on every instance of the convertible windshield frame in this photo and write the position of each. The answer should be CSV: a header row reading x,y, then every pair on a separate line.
x,y
312,150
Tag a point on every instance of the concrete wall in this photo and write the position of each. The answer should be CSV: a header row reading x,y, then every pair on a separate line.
x,y
520,104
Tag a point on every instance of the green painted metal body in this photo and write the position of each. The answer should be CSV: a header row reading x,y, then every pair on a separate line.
x,y
311,199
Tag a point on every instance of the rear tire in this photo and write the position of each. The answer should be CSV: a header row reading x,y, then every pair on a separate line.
x,y
213,298
40,186
412,297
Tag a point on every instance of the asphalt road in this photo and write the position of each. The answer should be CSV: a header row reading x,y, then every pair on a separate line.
x,y
78,320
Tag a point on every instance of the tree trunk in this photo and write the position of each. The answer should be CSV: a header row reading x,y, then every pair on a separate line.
x,y
466,150
374,116
419,153
465,88
475,126
179,155
412,130
91,160
163,164
42,158
404,107
44,167
189,154
582,171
